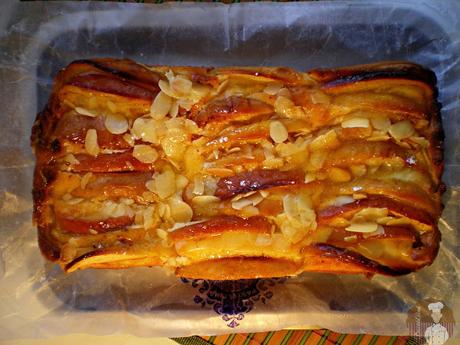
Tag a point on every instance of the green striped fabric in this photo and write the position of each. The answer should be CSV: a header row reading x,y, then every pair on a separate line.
x,y
297,337
195,340
392,340
358,339
305,337
230,339
374,340
287,337
267,338
248,339
324,337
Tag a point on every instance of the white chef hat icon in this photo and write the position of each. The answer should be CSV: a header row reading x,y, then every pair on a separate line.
x,y
436,307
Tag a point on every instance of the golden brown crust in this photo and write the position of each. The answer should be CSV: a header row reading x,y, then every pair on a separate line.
x,y
240,268
240,172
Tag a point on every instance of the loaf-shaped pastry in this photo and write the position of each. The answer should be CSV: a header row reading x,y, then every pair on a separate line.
x,y
239,172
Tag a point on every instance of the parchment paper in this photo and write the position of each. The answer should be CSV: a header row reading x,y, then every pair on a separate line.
x,y
37,39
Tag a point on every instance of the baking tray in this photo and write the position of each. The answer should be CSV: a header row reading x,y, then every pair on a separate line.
x,y
37,39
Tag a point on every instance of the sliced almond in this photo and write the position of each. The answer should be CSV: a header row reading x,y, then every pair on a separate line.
x,y
264,193
166,88
241,203
273,88
420,141
137,127
288,149
198,185
339,222
284,92
378,136
165,184
356,122
162,209
343,200
191,127
85,112
319,97
380,231
309,177
85,180
198,92
138,218
127,201
186,104
160,106
173,144
249,211
70,158
359,196
169,75
358,169
290,205
256,199
370,213
150,185
278,132
273,163
74,201
245,195
328,140
149,196
146,129
351,238
204,200
116,123
210,185
147,216
181,212
263,240
282,104
317,159
261,96
175,124
181,182
163,234
381,123
362,227
145,153
174,109
220,172
303,202
268,152
112,107
109,208
182,261
91,145
402,130
339,175
181,86
129,139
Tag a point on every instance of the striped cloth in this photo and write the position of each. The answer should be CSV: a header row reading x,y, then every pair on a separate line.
x,y
296,337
